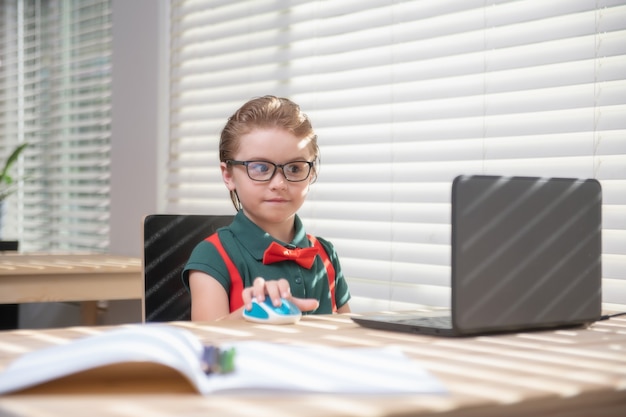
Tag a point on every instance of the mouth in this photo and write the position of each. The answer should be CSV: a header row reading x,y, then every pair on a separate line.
x,y
277,200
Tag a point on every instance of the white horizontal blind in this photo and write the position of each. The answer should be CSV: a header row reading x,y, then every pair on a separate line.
x,y
56,79
405,96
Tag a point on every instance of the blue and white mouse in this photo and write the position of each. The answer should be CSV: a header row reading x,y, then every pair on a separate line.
x,y
266,312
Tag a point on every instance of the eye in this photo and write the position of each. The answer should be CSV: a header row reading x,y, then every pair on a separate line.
x,y
294,168
259,167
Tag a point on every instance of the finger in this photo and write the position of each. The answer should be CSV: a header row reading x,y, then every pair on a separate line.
x,y
274,292
305,304
246,297
283,288
258,289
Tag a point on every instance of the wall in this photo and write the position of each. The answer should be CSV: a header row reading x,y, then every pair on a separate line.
x,y
139,118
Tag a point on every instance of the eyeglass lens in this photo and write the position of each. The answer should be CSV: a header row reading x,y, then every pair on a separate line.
x,y
264,171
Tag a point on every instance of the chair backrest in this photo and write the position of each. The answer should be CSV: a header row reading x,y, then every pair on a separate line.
x,y
168,242
9,313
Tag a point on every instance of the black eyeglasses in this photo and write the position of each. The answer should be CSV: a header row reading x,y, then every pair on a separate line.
x,y
294,171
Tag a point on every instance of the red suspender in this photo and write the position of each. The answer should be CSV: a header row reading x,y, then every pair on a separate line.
x,y
236,283
330,270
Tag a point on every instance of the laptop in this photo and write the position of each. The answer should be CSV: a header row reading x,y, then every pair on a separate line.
x,y
526,255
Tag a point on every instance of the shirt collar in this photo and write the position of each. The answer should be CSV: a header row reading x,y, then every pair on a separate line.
x,y
256,240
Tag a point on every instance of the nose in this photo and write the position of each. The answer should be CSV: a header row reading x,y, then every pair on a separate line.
x,y
282,180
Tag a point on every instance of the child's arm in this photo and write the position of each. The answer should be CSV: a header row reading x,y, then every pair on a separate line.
x,y
209,300
344,309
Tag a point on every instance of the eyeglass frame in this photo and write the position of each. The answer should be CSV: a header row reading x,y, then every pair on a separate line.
x,y
311,164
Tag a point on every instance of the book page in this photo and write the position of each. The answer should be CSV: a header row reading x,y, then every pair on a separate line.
x,y
159,344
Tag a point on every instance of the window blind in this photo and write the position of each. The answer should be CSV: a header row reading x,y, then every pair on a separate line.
x,y
404,96
55,77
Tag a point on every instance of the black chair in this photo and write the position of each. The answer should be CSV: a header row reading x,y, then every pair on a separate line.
x,y
9,313
168,242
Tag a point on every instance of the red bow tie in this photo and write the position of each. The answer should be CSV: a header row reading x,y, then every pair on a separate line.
x,y
303,256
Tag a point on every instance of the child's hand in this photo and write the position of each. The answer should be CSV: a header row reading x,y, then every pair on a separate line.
x,y
275,290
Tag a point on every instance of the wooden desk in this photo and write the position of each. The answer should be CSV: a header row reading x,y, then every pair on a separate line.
x,y
554,373
31,278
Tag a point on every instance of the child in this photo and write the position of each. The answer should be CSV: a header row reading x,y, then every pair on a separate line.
x,y
268,158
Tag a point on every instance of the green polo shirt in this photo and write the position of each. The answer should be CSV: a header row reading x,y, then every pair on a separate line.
x,y
245,244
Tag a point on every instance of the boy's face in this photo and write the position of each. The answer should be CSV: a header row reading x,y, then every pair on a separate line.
x,y
273,202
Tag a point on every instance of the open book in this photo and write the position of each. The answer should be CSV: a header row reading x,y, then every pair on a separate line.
x,y
258,366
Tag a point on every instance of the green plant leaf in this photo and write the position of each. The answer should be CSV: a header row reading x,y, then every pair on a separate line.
x,y
4,176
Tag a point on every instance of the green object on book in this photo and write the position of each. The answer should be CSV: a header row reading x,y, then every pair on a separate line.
x,y
227,360
218,361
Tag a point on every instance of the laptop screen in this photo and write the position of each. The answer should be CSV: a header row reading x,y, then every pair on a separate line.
x,y
525,251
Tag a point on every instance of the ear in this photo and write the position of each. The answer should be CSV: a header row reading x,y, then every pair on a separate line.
x,y
227,176
313,177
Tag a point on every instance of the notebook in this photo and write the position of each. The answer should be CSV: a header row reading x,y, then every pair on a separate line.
x,y
525,255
